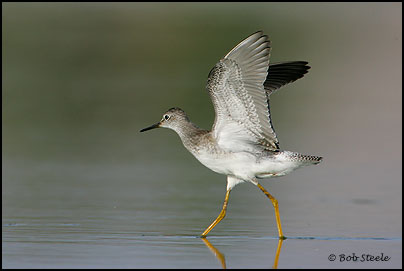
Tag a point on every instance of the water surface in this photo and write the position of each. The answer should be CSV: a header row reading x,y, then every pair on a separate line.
x,y
82,188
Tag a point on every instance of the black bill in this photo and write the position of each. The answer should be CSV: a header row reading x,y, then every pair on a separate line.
x,y
157,125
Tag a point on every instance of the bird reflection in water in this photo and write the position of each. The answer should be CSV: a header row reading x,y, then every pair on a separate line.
x,y
221,258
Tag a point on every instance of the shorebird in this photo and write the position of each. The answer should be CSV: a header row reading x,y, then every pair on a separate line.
x,y
242,143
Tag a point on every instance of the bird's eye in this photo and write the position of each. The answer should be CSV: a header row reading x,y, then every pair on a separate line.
x,y
166,117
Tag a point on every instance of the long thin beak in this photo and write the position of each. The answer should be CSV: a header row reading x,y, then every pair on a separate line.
x,y
156,125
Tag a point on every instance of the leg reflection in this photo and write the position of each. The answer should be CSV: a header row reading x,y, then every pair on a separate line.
x,y
278,252
219,256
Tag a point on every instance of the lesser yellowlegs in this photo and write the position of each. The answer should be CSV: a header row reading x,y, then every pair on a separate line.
x,y
242,143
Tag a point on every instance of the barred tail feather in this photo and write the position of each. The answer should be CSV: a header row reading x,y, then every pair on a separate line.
x,y
303,158
310,159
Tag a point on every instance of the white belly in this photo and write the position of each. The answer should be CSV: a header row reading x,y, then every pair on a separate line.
x,y
246,166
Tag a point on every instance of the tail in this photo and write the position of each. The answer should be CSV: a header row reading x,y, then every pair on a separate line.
x,y
311,159
302,159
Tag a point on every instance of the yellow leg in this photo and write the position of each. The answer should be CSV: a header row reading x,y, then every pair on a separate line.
x,y
275,204
220,217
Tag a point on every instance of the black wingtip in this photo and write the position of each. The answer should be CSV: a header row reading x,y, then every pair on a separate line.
x,y
282,73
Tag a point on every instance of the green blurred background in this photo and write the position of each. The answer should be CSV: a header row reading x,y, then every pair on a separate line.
x,y
81,79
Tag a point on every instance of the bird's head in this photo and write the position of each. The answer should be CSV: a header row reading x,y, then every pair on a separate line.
x,y
171,119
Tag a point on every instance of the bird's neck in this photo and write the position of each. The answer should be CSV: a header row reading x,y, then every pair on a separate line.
x,y
190,134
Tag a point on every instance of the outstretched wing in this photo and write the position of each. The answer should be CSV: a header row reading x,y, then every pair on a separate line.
x,y
280,74
236,87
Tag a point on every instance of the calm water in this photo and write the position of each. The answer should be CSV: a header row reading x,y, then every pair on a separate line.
x,y
84,217
82,188
83,223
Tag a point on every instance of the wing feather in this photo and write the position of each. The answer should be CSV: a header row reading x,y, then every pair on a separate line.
x,y
280,74
240,85
236,86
